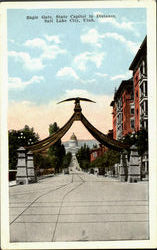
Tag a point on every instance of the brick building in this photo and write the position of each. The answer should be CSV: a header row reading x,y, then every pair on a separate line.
x,y
139,68
123,110
97,152
130,103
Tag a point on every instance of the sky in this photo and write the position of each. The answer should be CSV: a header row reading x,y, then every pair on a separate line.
x,y
50,60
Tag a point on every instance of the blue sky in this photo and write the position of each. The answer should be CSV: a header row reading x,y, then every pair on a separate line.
x,y
51,61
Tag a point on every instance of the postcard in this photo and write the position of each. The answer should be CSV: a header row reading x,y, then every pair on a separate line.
x,y
78,125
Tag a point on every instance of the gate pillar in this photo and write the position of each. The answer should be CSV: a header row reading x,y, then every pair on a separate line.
x,y
22,175
134,171
123,167
30,168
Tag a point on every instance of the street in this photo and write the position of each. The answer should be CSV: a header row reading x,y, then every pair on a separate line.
x,y
79,207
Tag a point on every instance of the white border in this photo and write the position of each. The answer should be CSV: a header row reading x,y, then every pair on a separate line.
x,y
151,38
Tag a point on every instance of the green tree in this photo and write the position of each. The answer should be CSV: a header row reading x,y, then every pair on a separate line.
x,y
56,152
106,162
83,157
67,160
140,139
18,138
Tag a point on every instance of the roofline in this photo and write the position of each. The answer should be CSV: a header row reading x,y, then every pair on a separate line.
x,y
138,54
124,83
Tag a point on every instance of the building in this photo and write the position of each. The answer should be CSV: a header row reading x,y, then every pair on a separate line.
x,y
97,152
72,145
123,110
130,103
139,68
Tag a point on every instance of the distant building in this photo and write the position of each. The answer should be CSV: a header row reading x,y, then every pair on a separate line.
x,y
72,145
97,152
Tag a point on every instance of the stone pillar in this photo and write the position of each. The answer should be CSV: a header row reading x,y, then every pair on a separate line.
x,y
116,170
21,176
123,166
134,173
30,168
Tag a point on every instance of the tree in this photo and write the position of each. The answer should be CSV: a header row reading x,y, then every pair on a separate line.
x,y
106,162
57,151
18,138
83,157
67,160
140,139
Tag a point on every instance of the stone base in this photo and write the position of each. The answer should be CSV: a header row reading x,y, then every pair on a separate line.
x,y
134,178
21,181
122,178
32,179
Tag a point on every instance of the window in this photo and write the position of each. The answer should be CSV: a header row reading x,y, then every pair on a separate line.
x,y
146,110
137,93
145,88
132,95
132,124
132,111
95,154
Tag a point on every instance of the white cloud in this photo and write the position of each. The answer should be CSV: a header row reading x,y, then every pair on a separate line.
x,y
121,76
82,59
36,43
124,24
49,51
101,74
12,40
55,39
16,82
92,37
28,62
132,46
67,71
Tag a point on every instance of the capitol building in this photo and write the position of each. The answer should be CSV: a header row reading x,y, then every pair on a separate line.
x,y
73,148
72,145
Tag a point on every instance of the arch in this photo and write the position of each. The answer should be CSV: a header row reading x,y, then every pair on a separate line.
x,y
77,115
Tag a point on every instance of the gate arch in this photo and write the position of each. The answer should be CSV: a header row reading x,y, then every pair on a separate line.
x,y
77,116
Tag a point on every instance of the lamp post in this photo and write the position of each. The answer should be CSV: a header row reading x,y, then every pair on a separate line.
x,y
30,141
21,138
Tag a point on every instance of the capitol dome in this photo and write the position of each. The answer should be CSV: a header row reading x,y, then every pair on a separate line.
x,y
73,137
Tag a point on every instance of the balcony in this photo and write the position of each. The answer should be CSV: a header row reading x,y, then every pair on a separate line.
x,y
142,78
143,97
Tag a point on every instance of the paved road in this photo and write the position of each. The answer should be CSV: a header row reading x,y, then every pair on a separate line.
x,y
78,207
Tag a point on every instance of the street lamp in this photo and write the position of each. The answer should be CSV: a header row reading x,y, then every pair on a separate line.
x,y
21,137
30,141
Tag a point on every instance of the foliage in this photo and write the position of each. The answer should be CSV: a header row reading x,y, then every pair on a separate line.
x,y
18,138
106,161
67,160
41,161
140,139
83,156
56,152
